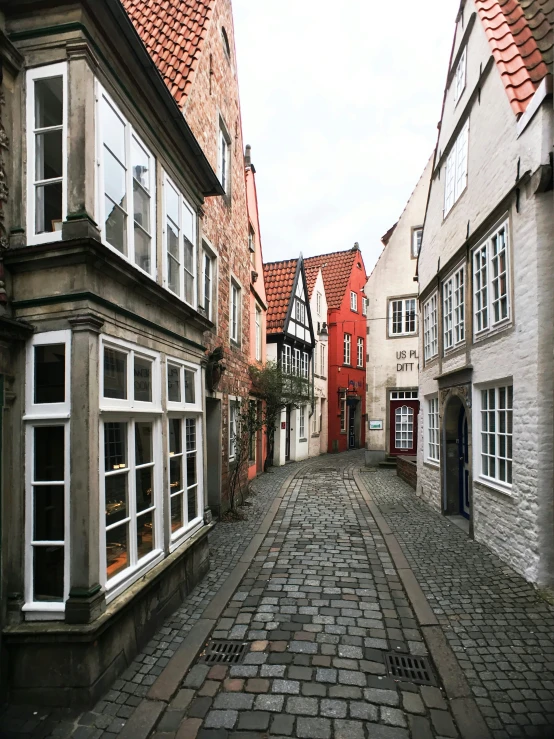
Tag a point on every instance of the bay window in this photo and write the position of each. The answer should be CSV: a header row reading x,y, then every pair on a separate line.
x,y
286,360
402,317
296,362
364,306
184,473
127,198
417,236
453,294
491,298
430,328
180,244
46,152
47,419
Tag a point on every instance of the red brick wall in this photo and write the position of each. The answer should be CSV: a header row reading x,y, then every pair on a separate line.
x,y
406,468
214,92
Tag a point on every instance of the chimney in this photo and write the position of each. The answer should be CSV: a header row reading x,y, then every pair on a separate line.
x,y
247,156
355,247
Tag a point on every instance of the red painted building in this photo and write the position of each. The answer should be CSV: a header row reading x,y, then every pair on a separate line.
x,y
344,277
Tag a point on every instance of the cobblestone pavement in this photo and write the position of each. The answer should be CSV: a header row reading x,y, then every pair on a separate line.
x,y
500,629
318,609
227,543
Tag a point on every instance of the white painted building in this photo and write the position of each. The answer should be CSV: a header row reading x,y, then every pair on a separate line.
x,y
392,335
319,423
486,277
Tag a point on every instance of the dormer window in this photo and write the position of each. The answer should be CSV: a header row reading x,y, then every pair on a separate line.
x,y
460,76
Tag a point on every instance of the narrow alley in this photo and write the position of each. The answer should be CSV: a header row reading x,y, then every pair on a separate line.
x,y
351,572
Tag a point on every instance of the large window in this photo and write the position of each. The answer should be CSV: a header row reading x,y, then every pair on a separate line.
x,y
456,169
46,152
430,328
453,295
180,244
347,348
47,473
360,352
433,439
286,360
460,76
496,434
402,317
127,184
491,299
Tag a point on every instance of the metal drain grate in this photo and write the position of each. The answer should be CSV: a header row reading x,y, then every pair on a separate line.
x,y
223,652
407,667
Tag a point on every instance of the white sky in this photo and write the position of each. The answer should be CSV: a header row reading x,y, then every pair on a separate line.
x,y
340,102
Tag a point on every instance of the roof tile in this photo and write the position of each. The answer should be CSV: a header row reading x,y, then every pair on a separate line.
x,y
279,280
336,268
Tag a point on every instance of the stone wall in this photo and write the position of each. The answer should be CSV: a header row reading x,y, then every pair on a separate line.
x,y
406,468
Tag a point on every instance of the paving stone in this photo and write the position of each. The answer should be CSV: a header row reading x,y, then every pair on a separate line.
x,y
235,701
412,703
333,708
349,729
221,719
292,687
282,725
382,697
313,728
442,722
196,676
269,702
392,716
303,706
253,720
326,675
432,697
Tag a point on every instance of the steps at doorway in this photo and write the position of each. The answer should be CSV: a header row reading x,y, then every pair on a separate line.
x,y
388,462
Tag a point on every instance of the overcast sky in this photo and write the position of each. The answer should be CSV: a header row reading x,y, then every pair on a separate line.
x,y
340,102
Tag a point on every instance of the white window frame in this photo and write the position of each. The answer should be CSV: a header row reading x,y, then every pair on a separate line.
x,y
235,304
484,281
347,349
45,414
453,307
182,405
300,311
432,430
360,351
296,358
353,301
208,274
456,169
302,423
223,157
318,302
365,303
404,316
130,404
484,434
417,237
430,328
234,403
33,75
460,76
258,333
189,527
185,210
404,395
322,359
286,359
305,365
130,134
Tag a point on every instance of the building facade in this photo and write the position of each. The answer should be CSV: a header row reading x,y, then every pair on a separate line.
x,y
290,344
486,288
193,47
344,278
319,417
392,335
103,502
258,309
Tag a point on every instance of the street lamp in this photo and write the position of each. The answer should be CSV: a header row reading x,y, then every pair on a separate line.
x,y
323,333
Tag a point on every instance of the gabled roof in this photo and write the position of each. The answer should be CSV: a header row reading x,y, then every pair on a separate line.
x,y
173,31
312,271
521,35
336,268
279,281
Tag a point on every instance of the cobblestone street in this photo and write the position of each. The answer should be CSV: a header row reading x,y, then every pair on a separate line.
x,y
323,602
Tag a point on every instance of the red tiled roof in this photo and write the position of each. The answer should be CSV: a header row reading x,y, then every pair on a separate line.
x,y
173,32
387,236
279,280
520,33
312,271
336,268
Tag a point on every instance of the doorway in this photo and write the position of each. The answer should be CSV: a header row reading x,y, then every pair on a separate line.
x,y
463,459
213,453
287,434
457,459
403,425
351,426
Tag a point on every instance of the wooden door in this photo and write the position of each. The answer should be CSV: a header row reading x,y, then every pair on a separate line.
x,y
403,426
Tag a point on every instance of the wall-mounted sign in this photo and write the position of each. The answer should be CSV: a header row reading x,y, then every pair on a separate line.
x,y
376,425
406,366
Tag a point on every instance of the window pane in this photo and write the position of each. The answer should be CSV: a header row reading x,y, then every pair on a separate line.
x,y
143,244
141,206
175,474
145,542
192,507
48,567
117,550
48,207
189,386
50,373
116,498
173,277
48,155
143,379
144,488
113,131
49,102
191,469
115,374
116,226
48,513
143,443
173,383
175,443
49,453
114,181
176,512
141,164
115,446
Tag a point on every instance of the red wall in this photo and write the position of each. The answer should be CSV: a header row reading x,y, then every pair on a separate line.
x,y
340,322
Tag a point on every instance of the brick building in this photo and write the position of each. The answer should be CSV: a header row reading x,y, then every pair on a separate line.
x,y
192,44
344,278
486,278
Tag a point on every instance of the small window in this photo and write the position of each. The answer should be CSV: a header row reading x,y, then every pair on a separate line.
x,y
224,158
286,361
430,328
404,395
183,385
322,359
300,311
225,42
49,361
496,434
402,317
353,301
491,296
258,334
456,169
129,377
46,152
364,306
234,323
433,439
453,295
347,348
360,352
460,76
318,303
417,235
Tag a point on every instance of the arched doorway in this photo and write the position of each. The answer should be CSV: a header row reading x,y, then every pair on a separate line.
x,y
457,456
